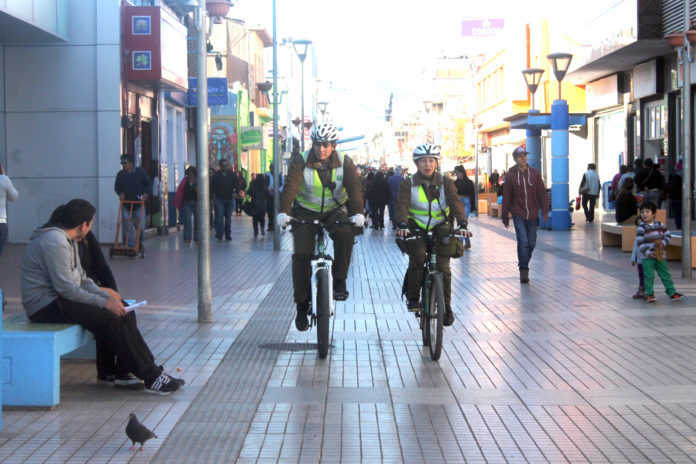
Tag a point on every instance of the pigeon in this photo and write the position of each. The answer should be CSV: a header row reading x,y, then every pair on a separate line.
x,y
137,432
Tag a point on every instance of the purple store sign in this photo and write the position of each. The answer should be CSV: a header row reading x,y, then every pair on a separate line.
x,y
482,27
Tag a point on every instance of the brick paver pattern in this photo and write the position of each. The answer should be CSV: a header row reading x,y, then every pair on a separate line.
x,y
567,368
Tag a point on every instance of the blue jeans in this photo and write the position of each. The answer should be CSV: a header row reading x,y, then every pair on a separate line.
x,y
3,236
526,231
392,218
129,225
223,217
188,217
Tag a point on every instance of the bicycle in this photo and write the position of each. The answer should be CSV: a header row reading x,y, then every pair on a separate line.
x,y
322,305
431,316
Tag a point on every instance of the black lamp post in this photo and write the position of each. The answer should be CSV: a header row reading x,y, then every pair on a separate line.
x,y
532,77
264,87
300,47
322,108
560,63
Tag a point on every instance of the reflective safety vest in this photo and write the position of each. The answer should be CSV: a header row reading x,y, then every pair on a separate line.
x,y
314,196
427,214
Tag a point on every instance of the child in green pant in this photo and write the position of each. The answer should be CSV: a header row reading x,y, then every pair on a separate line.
x,y
648,234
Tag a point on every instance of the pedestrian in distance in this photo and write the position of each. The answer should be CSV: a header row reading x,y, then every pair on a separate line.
x,y
132,184
224,188
614,187
589,189
241,193
467,195
493,181
56,289
524,195
394,178
7,192
674,193
322,184
428,201
378,198
651,183
652,236
186,199
258,195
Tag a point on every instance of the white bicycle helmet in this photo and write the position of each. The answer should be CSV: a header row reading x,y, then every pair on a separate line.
x,y
426,150
325,132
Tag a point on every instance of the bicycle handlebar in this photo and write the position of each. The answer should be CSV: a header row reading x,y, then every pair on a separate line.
x,y
317,222
431,234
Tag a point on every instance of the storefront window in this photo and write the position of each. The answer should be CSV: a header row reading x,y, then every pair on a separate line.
x,y
654,127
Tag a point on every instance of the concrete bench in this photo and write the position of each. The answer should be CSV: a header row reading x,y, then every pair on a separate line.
x,y
673,249
623,235
31,359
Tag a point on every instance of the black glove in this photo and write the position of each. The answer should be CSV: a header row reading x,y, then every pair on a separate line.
x,y
462,225
402,225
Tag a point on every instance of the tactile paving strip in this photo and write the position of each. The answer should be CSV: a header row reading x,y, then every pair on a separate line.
x,y
215,425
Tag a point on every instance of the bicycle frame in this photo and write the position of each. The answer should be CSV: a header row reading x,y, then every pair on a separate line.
x,y
321,262
430,269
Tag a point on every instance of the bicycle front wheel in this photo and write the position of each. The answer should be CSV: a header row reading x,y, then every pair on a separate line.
x,y
323,312
436,318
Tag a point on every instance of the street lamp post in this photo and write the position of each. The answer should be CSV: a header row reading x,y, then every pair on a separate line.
x,y
428,105
560,219
532,77
276,148
322,109
475,63
682,43
300,47
205,296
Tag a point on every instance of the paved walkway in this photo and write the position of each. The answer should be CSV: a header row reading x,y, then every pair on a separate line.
x,y
566,369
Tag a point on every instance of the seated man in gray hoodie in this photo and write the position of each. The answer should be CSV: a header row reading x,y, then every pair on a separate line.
x,y
55,289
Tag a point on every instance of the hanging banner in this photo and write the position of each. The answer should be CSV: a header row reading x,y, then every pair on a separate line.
x,y
251,138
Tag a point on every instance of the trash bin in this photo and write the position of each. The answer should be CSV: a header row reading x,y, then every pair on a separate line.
x,y
607,204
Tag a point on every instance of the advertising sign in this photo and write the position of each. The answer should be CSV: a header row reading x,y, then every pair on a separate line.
x,y
251,138
482,27
217,91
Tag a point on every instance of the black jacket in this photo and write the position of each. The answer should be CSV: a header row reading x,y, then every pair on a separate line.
x,y
224,185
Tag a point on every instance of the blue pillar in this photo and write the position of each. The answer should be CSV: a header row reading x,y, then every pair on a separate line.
x,y
559,166
534,145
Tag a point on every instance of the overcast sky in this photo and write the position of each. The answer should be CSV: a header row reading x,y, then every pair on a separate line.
x,y
372,48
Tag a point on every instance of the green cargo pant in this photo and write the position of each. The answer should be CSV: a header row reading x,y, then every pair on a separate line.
x,y
304,243
650,265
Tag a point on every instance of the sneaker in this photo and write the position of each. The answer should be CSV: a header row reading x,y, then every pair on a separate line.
x,y
163,385
449,318
339,289
301,319
182,382
107,381
524,276
414,305
676,296
128,381
639,294
650,298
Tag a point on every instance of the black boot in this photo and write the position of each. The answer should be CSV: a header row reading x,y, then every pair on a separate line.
x,y
339,288
301,319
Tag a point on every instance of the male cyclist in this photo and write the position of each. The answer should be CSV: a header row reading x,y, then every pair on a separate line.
x,y
427,200
322,184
